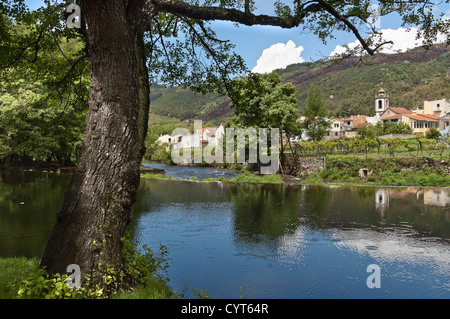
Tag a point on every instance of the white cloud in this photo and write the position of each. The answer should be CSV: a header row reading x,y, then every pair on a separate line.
x,y
279,56
403,39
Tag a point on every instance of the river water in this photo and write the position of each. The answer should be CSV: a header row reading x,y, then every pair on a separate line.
x,y
264,241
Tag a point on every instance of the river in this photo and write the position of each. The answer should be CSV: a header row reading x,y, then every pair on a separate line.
x,y
264,241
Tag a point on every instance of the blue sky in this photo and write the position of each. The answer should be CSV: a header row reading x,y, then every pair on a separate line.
x,y
252,41
285,46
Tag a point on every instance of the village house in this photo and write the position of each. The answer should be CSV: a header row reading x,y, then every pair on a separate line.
x,y
351,124
419,123
164,139
435,114
393,114
211,135
207,136
438,108
336,130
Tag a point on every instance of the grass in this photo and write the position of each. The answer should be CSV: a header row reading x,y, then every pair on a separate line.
x,y
154,290
153,175
408,178
312,179
13,270
248,177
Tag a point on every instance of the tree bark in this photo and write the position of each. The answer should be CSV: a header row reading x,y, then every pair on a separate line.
x,y
97,204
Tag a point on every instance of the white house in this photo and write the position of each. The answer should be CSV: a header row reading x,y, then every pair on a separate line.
x,y
207,136
437,108
164,139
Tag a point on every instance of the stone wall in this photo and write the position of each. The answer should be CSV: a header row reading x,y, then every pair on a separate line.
x,y
301,166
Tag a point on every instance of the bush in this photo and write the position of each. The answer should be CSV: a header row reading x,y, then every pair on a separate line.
x,y
312,179
432,133
409,178
140,269
248,177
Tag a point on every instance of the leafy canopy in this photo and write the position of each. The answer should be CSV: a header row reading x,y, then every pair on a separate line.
x,y
264,101
316,124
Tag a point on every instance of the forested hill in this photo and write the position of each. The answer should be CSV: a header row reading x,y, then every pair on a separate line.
x,y
349,85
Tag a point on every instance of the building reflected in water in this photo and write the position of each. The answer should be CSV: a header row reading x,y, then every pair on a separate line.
x,y
427,196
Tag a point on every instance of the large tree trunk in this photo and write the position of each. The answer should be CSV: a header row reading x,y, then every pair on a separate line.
x,y
98,201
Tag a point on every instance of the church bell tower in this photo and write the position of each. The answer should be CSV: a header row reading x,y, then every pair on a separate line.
x,y
381,102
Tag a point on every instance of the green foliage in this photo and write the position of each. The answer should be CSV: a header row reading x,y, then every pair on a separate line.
x,y
409,178
183,103
432,134
158,152
43,109
316,125
263,101
248,177
142,267
386,171
352,85
12,270
193,178
312,179
210,179
153,175
372,131
409,78
201,295
39,285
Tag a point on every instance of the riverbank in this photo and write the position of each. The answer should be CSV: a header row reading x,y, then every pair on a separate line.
x,y
402,179
61,168
354,170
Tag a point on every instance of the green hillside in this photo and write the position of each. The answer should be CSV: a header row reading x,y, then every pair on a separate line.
x,y
349,85
409,78
182,104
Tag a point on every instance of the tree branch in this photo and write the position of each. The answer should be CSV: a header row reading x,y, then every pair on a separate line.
x,y
330,9
234,15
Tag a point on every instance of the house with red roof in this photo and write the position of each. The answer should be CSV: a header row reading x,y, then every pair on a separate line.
x,y
419,123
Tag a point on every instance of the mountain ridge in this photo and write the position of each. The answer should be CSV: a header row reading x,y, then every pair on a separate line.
x,y
349,85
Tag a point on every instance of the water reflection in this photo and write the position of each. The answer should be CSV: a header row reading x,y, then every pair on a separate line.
x,y
29,202
274,241
429,196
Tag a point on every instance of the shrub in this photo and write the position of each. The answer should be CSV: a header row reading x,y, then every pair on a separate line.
x,y
248,177
408,178
312,179
141,268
